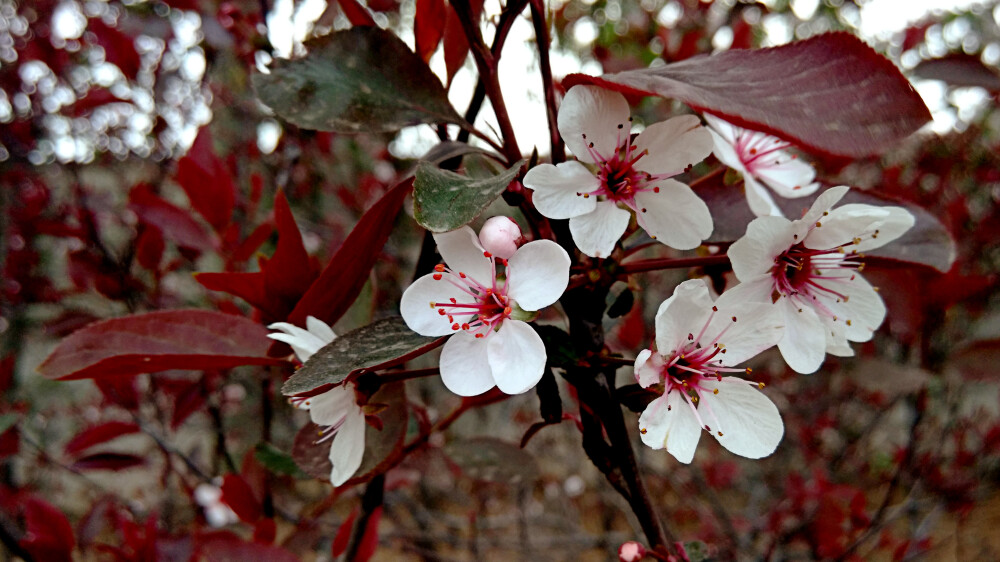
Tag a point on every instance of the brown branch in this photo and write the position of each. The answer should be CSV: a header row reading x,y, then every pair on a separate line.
x,y
657,264
558,151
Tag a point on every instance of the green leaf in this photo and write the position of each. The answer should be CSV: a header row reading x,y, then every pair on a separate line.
x,y
382,446
381,344
488,459
360,79
7,421
444,200
277,461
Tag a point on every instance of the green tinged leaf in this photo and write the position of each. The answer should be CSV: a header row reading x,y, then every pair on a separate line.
x,y
7,421
381,344
363,79
277,461
444,200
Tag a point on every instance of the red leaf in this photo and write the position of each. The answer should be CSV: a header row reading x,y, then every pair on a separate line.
x,y
186,402
108,461
119,48
119,391
342,279
48,534
369,542
264,531
175,223
207,182
356,13
236,493
158,341
99,434
831,93
343,534
94,98
428,26
959,69
282,280
149,248
456,46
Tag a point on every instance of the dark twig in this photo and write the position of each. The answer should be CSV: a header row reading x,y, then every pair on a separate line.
x,y
542,39
370,501
672,263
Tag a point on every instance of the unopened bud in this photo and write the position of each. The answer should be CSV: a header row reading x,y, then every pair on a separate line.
x,y
631,551
499,236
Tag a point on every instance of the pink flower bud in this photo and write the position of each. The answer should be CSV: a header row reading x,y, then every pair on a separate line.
x,y
631,551
499,237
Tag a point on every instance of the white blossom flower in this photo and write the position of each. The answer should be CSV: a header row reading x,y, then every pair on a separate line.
x,y
697,344
633,173
492,345
810,269
762,160
336,411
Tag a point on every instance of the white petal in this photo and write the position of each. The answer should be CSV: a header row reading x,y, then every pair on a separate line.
x,y
596,233
303,343
822,204
559,189
749,422
843,225
462,252
725,152
517,357
537,274
791,179
418,312
331,406
465,367
673,145
892,225
759,324
684,313
754,254
648,366
863,308
726,130
602,115
675,216
760,201
320,329
804,343
668,423
348,448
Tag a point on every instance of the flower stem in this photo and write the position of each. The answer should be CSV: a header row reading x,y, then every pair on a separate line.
x,y
672,263
398,376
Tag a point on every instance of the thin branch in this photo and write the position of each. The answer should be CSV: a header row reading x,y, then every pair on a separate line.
x,y
372,499
558,151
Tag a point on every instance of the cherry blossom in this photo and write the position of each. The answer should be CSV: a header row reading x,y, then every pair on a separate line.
x,y
492,345
336,411
209,497
698,342
623,171
811,270
762,160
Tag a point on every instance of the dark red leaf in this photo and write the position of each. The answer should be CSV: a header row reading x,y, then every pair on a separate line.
x,y
207,182
119,391
251,244
959,69
344,534
10,441
94,98
264,531
175,223
236,493
186,402
48,534
158,341
119,48
108,461
342,279
428,26
149,248
830,93
7,373
356,13
369,541
98,434
456,46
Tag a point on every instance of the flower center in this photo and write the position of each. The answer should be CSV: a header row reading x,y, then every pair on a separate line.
x,y
620,179
484,308
758,150
814,277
